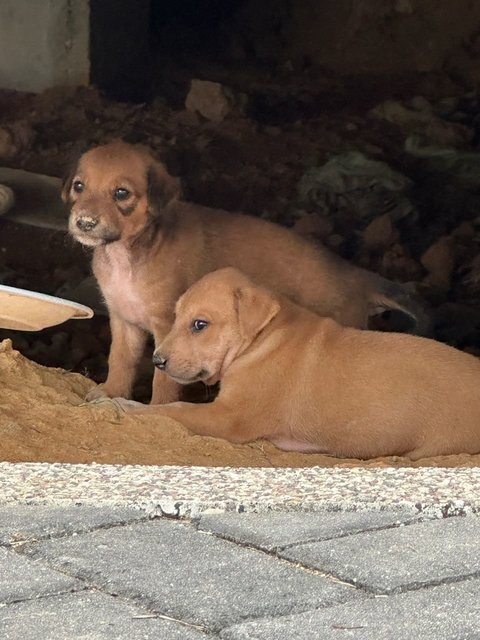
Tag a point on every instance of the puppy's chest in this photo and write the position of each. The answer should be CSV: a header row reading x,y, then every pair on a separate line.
x,y
126,294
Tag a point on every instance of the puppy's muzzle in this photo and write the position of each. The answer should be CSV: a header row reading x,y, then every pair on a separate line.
x,y
160,361
86,223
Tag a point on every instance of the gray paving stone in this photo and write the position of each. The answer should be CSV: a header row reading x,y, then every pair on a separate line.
x,y
190,575
87,616
400,558
27,522
276,530
447,612
21,578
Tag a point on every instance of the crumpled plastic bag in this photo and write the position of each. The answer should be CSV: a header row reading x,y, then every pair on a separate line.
x,y
368,188
462,167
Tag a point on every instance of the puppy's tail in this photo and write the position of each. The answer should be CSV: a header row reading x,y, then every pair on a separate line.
x,y
412,314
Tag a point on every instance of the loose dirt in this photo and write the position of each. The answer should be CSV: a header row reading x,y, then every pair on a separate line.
x,y
43,419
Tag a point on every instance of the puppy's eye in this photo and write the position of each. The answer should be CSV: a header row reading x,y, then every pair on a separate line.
x,y
78,186
199,325
121,194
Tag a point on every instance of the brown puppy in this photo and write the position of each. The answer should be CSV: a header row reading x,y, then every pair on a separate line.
x,y
308,384
150,247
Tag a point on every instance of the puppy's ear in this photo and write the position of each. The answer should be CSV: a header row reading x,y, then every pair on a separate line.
x,y
162,187
67,183
255,308
70,171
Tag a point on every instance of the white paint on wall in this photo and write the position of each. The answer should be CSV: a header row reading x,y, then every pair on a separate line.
x,y
43,43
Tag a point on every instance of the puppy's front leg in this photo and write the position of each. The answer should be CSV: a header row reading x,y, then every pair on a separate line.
x,y
164,389
214,419
128,344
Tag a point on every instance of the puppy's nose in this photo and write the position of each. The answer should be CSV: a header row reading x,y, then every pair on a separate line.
x,y
87,224
160,361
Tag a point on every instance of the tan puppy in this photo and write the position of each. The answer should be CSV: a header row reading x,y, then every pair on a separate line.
x,y
149,248
308,384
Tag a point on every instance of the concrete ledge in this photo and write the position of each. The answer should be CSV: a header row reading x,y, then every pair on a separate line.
x,y
189,491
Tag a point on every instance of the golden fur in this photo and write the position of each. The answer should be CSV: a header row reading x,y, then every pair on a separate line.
x,y
149,247
308,384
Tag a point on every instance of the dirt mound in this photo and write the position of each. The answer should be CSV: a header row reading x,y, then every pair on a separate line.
x,y
43,419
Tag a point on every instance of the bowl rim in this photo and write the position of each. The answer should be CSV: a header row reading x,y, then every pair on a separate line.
x,y
83,311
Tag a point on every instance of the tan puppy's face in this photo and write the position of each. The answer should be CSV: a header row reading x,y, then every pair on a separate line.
x,y
216,320
117,191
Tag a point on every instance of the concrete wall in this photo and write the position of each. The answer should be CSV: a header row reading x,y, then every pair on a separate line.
x,y
43,43
352,36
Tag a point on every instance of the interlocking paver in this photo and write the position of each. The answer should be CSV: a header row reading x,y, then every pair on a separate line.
x,y
275,530
447,612
191,575
27,522
395,559
87,616
21,578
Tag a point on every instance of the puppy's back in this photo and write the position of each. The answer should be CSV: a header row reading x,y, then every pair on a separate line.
x,y
284,262
423,390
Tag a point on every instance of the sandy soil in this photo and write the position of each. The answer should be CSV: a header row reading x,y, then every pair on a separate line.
x,y
43,419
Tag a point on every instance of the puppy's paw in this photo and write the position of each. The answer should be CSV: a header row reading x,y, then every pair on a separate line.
x,y
97,393
129,406
104,401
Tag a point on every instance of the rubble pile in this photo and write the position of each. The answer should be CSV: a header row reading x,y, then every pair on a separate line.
x,y
389,184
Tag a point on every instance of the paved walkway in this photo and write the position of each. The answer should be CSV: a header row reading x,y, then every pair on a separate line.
x,y
69,572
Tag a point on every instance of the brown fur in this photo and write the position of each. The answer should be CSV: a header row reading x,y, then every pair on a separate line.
x,y
150,247
308,384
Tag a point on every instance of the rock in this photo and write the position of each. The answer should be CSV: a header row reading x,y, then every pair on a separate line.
x,y
464,231
439,261
432,129
462,167
380,233
469,286
398,265
420,103
7,145
335,241
15,138
7,199
212,100
313,224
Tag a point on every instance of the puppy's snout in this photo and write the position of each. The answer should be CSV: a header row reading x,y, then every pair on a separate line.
x,y
86,223
160,361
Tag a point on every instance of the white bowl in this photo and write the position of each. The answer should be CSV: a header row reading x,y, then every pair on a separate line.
x,y
31,311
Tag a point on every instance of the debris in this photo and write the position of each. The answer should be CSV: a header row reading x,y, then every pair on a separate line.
x,y
380,233
7,199
463,167
313,224
212,100
15,138
419,119
439,261
365,187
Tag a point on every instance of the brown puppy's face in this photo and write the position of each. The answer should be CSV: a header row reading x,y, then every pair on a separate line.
x,y
216,320
117,190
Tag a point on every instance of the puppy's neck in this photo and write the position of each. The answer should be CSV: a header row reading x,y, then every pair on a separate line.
x,y
138,248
